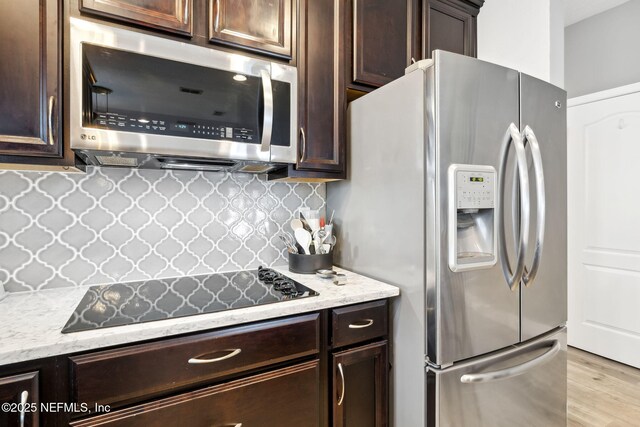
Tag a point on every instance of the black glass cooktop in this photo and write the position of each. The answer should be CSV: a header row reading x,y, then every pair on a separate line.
x,y
105,306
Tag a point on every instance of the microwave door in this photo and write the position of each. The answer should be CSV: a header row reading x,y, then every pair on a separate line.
x,y
144,104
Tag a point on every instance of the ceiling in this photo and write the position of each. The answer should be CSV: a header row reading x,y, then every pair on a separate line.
x,y
577,10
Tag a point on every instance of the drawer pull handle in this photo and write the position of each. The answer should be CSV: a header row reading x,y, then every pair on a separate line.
x,y
360,324
196,361
24,397
341,398
232,425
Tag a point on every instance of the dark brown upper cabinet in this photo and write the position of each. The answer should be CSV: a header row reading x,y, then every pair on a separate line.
x,y
30,79
450,25
262,26
322,97
175,16
380,42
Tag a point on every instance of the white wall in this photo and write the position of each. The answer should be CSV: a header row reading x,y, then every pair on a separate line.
x,y
602,51
557,43
526,35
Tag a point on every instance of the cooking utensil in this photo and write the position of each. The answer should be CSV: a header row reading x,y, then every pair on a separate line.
x,y
303,238
313,219
296,223
289,243
305,224
328,230
330,241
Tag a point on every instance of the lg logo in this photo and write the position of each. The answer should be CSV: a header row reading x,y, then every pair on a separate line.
x,y
84,136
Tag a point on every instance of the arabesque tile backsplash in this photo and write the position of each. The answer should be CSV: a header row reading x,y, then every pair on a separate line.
x,y
113,225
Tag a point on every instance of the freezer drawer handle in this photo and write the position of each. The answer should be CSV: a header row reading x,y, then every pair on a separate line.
x,y
530,137
513,371
361,324
513,136
232,353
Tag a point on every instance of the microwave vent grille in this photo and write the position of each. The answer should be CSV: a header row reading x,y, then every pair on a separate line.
x,y
117,161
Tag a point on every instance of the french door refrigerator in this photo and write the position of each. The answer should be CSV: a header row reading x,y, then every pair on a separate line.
x,y
457,194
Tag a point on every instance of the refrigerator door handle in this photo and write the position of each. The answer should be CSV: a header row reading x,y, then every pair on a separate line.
x,y
513,137
515,370
530,138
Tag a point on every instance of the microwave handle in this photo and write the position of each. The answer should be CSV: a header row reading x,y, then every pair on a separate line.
x,y
267,123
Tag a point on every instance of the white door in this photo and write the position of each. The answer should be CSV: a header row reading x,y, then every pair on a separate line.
x,y
604,223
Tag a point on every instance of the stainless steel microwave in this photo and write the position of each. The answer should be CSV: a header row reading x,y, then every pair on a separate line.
x,y
149,102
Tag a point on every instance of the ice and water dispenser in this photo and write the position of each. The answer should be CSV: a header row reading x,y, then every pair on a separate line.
x,y
472,217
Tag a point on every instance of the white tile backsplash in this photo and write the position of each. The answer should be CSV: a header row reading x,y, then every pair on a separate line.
x,y
112,225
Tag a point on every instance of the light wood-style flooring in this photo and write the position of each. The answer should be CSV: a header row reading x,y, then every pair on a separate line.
x,y
601,392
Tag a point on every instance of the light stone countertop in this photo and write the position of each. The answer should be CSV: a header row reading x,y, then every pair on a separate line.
x,y
30,323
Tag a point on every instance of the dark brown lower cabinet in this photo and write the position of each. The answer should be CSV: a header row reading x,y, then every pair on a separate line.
x,y
21,393
284,397
316,369
360,386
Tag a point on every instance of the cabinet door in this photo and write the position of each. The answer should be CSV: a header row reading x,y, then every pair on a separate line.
x,y
286,397
169,15
380,41
448,25
29,78
322,101
360,384
21,391
255,25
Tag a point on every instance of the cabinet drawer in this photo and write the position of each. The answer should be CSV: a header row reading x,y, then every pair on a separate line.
x,y
124,375
358,323
285,397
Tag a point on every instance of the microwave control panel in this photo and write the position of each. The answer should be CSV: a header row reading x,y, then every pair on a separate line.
x,y
165,126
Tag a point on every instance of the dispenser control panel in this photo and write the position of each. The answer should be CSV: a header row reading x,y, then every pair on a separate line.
x,y
475,189
472,217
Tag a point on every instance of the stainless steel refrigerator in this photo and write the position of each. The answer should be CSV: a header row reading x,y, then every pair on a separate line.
x,y
457,194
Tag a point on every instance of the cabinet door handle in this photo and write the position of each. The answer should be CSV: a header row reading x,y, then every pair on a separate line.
x,y
232,425
51,105
303,142
24,397
360,324
197,361
185,18
341,398
216,21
